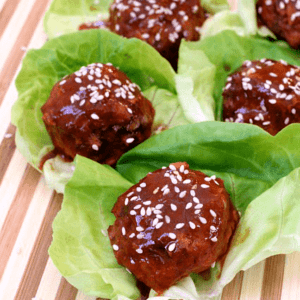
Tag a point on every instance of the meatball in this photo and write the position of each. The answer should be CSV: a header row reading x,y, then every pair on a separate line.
x,y
175,221
97,112
265,93
161,23
282,18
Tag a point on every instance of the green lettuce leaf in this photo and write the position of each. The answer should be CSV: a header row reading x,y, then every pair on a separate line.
x,y
226,52
42,68
65,16
246,157
261,172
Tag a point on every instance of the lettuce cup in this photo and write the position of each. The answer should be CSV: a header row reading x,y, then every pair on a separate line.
x,y
222,54
260,172
60,57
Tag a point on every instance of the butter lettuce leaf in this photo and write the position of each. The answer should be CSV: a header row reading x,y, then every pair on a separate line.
x,y
213,58
261,173
42,68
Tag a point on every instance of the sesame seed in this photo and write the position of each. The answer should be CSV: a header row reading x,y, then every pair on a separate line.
x,y
159,225
156,190
173,207
95,116
187,181
192,192
95,147
172,247
140,236
132,235
140,251
115,247
132,212
129,140
212,213
78,80
62,82
155,221
137,206
133,198
272,101
149,211
138,189
286,121
196,200
177,190
266,123
203,220
214,239
143,184
143,211
147,202
159,206
189,205
167,191
204,186
126,201
130,194
157,211
123,230
293,111
181,169
172,236
172,167
173,179
182,194
192,225
139,228
179,225
167,219
200,205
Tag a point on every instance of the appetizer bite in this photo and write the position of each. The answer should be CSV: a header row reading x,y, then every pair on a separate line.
x,y
175,221
282,18
265,93
97,112
160,23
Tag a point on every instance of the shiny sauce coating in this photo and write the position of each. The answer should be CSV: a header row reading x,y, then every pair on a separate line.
x,y
282,17
160,23
175,221
265,93
97,112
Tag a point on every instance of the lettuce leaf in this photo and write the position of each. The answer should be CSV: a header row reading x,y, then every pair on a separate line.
x,y
42,68
225,52
261,172
65,16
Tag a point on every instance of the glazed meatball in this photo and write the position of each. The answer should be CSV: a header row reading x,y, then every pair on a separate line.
x,y
175,221
97,112
282,17
265,93
161,23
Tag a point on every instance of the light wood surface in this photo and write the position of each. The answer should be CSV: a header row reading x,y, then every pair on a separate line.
x,y
28,206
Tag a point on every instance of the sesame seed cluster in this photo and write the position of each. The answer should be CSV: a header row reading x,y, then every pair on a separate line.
x,y
161,23
173,222
265,93
282,18
97,112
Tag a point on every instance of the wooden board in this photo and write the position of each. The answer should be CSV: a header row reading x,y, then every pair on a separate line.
x,y
28,206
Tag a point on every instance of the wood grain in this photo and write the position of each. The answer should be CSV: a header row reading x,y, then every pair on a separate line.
x,y
28,207
15,216
39,256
